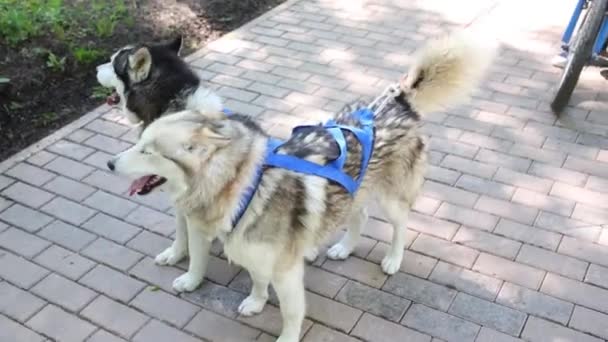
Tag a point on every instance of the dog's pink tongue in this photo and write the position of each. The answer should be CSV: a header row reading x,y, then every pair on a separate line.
x,y
138,184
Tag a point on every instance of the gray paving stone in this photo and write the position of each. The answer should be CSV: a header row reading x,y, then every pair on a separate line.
x,y
420,291
535,303
22,243
528,234
445,250
374,301
107,127
70,149
64,262
584,250
41,158
576,292
597,275
491,335
30,174
111,228
164,306
488,314
68,211
487,242
60,325
508,270
110,204
5,181
465,280
114,316
152,220
156,331
25,218
112,283
69,168
360,270
589,321
107,144
108,182
63,292
149,243
104,336
368,327
321,333
80,135
11,331
26,194
5,203
437,323
20,271
66,235
554,262
331,313
111,254
540,330
466,216
216,298
17,303
68,188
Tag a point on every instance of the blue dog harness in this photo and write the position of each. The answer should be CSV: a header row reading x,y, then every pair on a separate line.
x,y
333,170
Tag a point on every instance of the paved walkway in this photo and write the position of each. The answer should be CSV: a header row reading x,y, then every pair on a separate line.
x,y
509,241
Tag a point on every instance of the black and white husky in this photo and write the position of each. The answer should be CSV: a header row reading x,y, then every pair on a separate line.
x,y
150,80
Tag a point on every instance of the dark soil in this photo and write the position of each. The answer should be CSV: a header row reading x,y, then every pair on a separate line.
x,y
40,100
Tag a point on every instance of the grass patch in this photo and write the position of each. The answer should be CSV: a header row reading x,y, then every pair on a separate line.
x,y
69,24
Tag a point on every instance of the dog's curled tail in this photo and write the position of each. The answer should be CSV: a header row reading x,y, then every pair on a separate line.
x,y
445,71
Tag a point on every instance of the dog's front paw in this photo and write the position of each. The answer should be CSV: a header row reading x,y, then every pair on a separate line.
x,y
391,263
311,254
187,282
284,338
251,305
339,251
170,256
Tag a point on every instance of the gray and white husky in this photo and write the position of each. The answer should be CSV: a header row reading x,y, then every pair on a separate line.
x,y
210,160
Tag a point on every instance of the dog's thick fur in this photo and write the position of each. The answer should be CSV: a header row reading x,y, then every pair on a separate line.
x,y
152,80
210,161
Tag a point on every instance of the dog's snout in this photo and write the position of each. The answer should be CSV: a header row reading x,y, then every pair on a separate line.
x,y
111,165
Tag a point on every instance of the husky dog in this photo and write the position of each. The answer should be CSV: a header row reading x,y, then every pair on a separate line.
x,y
151,80
210,161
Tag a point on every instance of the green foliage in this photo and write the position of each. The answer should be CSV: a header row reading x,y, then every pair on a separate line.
x,y
21,20
84,55
100,92
55,63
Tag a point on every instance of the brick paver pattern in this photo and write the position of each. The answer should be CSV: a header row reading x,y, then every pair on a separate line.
x,y
508,240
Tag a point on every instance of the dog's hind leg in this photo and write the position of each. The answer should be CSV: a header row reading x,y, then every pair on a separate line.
x,y
397,212
254,303
347,244
289,286
179,248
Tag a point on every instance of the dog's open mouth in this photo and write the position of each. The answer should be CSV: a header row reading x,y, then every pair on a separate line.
x,y
113,99
143,185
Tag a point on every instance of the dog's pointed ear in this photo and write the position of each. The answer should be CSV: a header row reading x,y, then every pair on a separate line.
x,y
212,135
176,45
140,63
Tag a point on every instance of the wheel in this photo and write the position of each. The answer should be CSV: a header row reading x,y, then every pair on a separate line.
x,y
580,54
